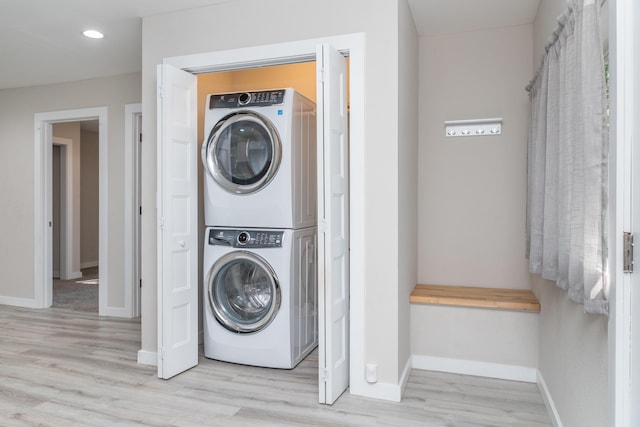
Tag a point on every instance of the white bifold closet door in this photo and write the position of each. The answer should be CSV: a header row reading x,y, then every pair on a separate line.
x,y
177,221
177,255
333,224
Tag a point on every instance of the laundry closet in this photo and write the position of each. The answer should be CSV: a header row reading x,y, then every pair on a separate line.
x,y
257,130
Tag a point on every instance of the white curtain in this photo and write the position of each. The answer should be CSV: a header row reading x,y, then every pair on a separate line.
x,y
568,160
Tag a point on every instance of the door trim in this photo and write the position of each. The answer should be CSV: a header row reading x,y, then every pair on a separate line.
x,y
67,242
301,51
131,210
43,296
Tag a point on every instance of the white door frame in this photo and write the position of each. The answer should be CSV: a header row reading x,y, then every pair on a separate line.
x,y
300,51
624,209
67,242
43,295
132,206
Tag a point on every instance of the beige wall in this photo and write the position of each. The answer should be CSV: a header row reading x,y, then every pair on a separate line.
x,y
473,189
89,192
55,209
17,109
472,194
191,32
71,131
573,344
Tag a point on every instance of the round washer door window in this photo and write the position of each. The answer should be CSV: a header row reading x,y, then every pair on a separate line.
x,y
243,152
244,292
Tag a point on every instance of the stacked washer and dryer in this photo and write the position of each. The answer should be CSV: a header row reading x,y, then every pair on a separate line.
x,y
260,274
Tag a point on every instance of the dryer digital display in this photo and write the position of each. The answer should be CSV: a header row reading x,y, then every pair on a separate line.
x,y
247,99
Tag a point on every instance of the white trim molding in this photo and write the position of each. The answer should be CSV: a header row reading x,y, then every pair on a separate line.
x,y
548,401
147,358
131,257
42,202
354,45
476,368
19,302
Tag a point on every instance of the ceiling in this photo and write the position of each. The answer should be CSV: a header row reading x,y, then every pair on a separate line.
x,y
41,40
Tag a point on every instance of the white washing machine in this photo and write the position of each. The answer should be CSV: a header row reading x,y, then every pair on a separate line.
x,y
259,156
260,296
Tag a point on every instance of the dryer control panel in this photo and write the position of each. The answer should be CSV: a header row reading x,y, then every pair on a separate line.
x,y
250,239
263,98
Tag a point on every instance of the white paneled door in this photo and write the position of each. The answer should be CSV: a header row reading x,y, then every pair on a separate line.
x,y
635,181
333,225
177,209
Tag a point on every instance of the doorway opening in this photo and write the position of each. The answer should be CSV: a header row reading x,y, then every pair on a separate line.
x,y
46,125
300,76
179,83
74,198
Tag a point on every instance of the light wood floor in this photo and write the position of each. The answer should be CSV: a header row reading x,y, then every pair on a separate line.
x,y
63,368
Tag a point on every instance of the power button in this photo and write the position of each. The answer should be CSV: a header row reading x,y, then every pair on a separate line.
x,y
243,238
244,98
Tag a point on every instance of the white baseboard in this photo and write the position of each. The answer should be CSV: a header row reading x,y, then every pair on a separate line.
x,y
147,358
115,312
548,401
88,264
405,375
479,369
71,276
18,302
383,391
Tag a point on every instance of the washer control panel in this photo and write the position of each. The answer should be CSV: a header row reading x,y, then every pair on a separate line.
x,y
263,98
249,239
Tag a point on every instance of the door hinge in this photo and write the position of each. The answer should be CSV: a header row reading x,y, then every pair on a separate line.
x,y
140,137
161,353
140,283
627,256
324,373
140,210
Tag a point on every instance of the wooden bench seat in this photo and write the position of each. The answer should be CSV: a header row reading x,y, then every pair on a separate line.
x,y
468,296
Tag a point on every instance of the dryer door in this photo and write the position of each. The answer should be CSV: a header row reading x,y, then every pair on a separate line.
x,y
243,152
244,292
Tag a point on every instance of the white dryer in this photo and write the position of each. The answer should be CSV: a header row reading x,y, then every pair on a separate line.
x,y
259,156
260,296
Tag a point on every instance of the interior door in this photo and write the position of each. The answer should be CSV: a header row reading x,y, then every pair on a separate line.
x,y
635,278
177,211
333,225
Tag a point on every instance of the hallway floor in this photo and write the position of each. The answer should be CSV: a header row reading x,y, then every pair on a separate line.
x,y
60,367
77,294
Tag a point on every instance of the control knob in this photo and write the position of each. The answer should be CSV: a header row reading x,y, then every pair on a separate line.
x,y
244,98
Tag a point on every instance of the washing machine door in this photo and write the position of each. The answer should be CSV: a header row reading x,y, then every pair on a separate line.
x,y
243,152
244,292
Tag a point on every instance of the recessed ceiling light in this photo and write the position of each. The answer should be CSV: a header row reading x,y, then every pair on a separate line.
x,y
93,34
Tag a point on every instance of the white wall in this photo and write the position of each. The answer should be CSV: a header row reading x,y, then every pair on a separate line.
x,y
208,29
407,177
17,109
573,344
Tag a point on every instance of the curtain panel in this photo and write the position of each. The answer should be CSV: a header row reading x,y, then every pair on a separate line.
x,y
568,161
